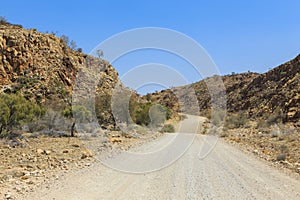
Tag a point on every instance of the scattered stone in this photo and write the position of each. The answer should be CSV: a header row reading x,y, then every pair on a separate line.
x,y
25,177
29,166
8,196
18,189
87,164
87,153
65,151
115,140
30,182
47,152
40,151
18,173
255,151
75,145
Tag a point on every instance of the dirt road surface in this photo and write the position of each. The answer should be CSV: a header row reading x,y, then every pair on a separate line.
x,y
225,173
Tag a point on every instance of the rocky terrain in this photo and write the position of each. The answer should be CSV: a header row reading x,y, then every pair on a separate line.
x,y
233,84
277,145
263,110
39,160
43,68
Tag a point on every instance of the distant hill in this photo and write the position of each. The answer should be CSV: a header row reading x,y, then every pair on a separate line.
x,y
276,92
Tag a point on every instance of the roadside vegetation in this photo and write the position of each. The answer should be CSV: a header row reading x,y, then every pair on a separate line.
x,y
15,112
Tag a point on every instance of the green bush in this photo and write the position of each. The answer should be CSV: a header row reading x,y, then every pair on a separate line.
x,y
168,128
141,115
103,109
146,113
15,111
80,113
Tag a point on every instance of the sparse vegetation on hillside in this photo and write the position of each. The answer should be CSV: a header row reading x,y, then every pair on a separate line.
x,y
3,20
70,43
237,120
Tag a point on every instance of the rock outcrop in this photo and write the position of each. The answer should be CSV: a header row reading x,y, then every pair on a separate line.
x,y
42,66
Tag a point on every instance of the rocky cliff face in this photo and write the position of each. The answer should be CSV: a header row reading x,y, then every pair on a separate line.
x,y
42,67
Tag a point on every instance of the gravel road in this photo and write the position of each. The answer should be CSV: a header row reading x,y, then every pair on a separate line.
x,y
225,173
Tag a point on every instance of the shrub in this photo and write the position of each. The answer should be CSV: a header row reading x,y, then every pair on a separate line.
x,y
218,117
73,45
274,118
103,109
182,117
80,113
235,120
141,116
65,39
99,53
168,128
261,124
3,20
146,113
15,111
281,156
157,115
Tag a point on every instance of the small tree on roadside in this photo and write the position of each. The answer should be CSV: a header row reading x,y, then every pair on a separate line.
x,y
16,111
79,114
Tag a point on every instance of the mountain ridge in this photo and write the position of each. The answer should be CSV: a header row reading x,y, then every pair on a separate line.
x,y
256,94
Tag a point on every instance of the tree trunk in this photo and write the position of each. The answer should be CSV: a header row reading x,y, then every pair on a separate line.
x,y
73,129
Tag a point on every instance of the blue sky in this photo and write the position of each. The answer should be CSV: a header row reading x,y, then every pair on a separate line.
x,y
238,35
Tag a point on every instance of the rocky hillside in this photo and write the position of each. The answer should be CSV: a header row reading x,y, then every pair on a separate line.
x,y
232,83
43,69
275,92
42,66
278,90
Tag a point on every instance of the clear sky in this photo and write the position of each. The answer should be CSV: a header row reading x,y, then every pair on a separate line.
x,y
251,35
